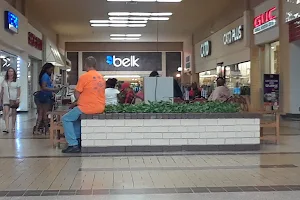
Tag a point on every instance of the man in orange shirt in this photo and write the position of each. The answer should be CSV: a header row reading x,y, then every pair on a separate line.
x,y
90,96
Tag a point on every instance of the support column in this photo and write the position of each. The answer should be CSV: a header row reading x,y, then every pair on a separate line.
x,y
195,76
256,71
164,64
284,65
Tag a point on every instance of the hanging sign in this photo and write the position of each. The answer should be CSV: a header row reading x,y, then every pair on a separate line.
x,y
205,49
265,21
233,35
34,41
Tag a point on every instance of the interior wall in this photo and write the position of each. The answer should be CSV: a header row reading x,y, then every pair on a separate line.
x,y
173,61
294,77
236,52
123,46
73,74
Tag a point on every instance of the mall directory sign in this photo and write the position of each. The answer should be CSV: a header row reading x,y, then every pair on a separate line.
x,y
11,22
126,61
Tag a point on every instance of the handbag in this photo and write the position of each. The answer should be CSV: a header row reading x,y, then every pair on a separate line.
x,y
12,103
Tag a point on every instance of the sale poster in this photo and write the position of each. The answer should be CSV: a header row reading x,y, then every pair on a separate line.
x,y
271,89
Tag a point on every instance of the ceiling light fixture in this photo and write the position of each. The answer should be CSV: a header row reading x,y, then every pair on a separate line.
x,y
143,14
125,35
137,19
118,25
126,38
159,18
160,1
116,22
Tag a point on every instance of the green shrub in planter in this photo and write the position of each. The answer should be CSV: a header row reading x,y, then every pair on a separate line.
x,y
166,107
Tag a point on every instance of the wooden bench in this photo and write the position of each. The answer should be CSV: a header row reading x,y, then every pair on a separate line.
x,y
274,122
56,129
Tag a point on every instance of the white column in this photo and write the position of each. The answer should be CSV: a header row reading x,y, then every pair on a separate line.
x,y
80,67
24,60
164,64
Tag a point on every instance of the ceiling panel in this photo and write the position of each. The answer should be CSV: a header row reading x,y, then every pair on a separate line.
x,y
71,17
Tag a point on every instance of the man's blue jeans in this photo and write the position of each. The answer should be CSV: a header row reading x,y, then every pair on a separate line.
x,y
72,126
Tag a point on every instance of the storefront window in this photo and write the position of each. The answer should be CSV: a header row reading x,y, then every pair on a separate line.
x,y
274,58
238,76
207,77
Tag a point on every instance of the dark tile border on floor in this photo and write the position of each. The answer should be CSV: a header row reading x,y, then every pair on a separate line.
x,y
184,168
183,148
158,154
271,188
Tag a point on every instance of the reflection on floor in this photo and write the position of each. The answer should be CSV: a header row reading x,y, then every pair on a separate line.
x,y
29,166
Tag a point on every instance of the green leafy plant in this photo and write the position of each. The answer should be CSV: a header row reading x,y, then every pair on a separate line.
x,y
166,107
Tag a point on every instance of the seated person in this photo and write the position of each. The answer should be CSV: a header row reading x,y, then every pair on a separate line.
x,y
111,93
90,96
221,93
126,95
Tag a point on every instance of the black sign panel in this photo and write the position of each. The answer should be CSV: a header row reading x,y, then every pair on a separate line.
x,y
126,61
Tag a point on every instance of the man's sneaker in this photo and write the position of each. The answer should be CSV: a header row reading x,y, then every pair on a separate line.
x,y
71,149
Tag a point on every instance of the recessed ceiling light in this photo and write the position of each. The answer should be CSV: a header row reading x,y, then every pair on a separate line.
x,y
133,35
159,18
142,14
126,38
118,25
136,25
162,1
161,14
137,19
100,25
116,22
125,35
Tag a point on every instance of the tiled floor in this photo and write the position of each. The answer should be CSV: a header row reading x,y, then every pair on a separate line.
x,y
29,166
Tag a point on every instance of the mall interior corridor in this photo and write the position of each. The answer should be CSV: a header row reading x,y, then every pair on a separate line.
x,y
30,167
150,99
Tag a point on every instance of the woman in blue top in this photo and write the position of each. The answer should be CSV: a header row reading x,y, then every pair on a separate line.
x,y
44,98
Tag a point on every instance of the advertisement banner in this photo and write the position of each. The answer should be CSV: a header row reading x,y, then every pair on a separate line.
x,y
126,61
271,89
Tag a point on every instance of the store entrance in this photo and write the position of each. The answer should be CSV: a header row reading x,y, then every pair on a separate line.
x,y
34,68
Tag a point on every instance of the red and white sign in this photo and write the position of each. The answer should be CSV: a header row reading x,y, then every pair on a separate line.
x,y
35,41
265,21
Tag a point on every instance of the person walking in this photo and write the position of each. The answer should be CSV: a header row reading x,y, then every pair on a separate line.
x,y
90,99
44,98
10,98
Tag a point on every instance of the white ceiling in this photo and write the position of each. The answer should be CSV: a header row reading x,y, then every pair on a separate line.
x,y
70,18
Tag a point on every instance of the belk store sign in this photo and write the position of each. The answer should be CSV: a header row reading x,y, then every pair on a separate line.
x,y
126,61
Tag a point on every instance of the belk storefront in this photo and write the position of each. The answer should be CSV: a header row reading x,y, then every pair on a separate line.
x,y
126,66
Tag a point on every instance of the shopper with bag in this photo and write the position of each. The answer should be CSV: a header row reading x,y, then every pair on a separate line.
x,y
10,98
44,97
